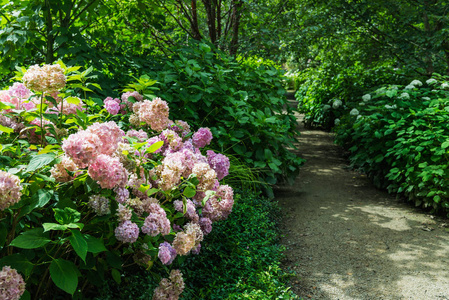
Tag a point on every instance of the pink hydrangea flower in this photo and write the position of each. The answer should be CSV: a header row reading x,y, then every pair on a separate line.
x,y
12,285
127,232
48,78
167,253
170,288
189,238
156,222
206,175
109,135
172,139
219,206
206,225
154,113
19,90
112,105
140,135
82,147
59,171
202,137
9,190
121,194
218,162
129,104
108,172
191,213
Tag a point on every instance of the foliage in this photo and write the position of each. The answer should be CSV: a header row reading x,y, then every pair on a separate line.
x,y
243,103
320,87
400,139
239,259
81,202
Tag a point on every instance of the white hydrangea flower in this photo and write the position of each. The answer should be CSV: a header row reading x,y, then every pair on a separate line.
x,y
416,82
326,107
391,106
359,116
445,85
409,87
362,104
426,98
366,97
431,81
337,103
337,122
354,112
404,96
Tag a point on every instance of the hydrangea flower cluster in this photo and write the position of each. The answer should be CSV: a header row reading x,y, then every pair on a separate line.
x,y
127,232
108,171
12,285
154,113
170,288
336,104
59,171
167,253
202,137
45,79
112,105
156,222
9,190
100,205
218,162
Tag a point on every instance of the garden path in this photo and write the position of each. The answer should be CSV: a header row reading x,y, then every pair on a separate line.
x,y
346,239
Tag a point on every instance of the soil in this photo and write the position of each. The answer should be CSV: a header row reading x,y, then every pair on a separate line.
x,y
345,239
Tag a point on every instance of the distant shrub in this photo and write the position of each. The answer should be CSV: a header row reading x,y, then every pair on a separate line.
x,y
400,138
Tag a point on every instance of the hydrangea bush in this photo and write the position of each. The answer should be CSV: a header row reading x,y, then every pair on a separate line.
x,y
105,186
399,136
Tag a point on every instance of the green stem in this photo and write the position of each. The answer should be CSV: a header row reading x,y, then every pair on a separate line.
x,y
42,120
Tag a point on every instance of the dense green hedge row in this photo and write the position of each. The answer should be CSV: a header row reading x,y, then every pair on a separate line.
x,y
400,138
239,259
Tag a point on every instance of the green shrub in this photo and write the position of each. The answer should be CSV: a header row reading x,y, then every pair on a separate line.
x,y
319,88
400,139
243,103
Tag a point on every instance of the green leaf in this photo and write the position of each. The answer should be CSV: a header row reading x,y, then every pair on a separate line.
x,y
39,161
189,192
445,145
6,129
31,239
66,215
42,196
116,275
73,100
19,262
152,191
53,226
64,275
94,245
154,147
79,244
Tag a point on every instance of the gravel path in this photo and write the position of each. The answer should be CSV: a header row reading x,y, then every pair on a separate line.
x,y
347,240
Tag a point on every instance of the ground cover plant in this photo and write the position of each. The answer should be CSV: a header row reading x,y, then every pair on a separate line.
x,y
399,136
91,187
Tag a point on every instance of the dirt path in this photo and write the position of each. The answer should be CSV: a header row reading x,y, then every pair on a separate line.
x,y
347,240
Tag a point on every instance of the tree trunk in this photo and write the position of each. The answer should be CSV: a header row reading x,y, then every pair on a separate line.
x,y
49,54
